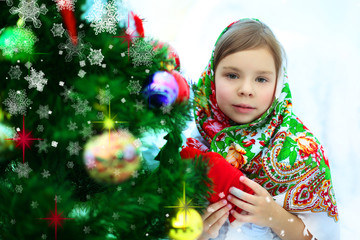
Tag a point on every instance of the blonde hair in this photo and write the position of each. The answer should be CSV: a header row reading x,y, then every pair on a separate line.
x,y
249,34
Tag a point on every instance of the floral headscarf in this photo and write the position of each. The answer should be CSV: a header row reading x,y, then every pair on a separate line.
x,y
276,150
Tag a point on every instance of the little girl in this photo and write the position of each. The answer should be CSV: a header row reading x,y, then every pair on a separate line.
x,y
243,111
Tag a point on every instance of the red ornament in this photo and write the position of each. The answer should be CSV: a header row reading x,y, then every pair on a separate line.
x,y
184,89
70,22
138,24
171,53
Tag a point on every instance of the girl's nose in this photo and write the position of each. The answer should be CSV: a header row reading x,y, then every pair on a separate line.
x,y
245,89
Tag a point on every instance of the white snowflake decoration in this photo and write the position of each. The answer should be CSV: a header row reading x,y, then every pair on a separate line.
x,y
115,215
95,57
104,96
81,73
45,173
139,105
15,72
29,11
42,146
43,112
57,30
17,102
34,204
70,164
68,93
86,131
36,80
73,148
166,109
134,87
141,53
72,126
40,128
18,189
74,50
81,107
87,229
23,170
65,5
104,17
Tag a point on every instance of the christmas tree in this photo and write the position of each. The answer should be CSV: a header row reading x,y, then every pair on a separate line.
x,y
82,88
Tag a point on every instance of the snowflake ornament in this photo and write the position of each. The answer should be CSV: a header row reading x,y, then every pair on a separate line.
x,y
141,53
68,93
17,102
81,73
43,112
72,126
15,72
74,50
45,173
134,87
42,146
81,107
86,131
139,105
104,96
34,204
57,30
87,229
36,80
95,57
29,11
73,148
104,17
23,170
18,189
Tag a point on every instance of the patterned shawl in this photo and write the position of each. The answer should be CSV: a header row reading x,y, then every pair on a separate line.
x,y
276,150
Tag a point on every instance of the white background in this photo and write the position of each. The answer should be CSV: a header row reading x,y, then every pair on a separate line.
x,y
322,42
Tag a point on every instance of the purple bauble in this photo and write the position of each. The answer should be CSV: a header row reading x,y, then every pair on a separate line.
x,y
162,90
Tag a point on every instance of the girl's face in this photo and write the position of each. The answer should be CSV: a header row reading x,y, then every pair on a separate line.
x,y
245,84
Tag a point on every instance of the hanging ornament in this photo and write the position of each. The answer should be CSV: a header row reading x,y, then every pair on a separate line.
x,y
112,157
162,90
69,21
17,43
186,225
6,147
184,89
172,54
137,24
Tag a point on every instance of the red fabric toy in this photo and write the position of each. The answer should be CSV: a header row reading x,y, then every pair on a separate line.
x,y
222,174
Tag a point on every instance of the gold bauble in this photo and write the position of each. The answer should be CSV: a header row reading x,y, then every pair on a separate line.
x,y
187,227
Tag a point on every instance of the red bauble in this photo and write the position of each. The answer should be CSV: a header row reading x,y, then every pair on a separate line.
x,y
171,53
184,89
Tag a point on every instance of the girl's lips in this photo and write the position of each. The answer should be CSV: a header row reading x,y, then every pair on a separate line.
x,y
243,108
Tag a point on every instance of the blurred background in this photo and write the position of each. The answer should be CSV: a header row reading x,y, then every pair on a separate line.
x,y
321,39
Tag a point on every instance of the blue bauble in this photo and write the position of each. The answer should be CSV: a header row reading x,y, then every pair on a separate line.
x,y
162,90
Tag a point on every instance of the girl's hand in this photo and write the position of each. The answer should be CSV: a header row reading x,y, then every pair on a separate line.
x,y
213,219
259,208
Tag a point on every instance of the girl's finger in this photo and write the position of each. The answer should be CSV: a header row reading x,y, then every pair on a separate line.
x,y
243,195
258,189
213,208
241,204
215,227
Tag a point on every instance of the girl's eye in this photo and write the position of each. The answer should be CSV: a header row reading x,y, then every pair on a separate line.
x,y
261,80
231,76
